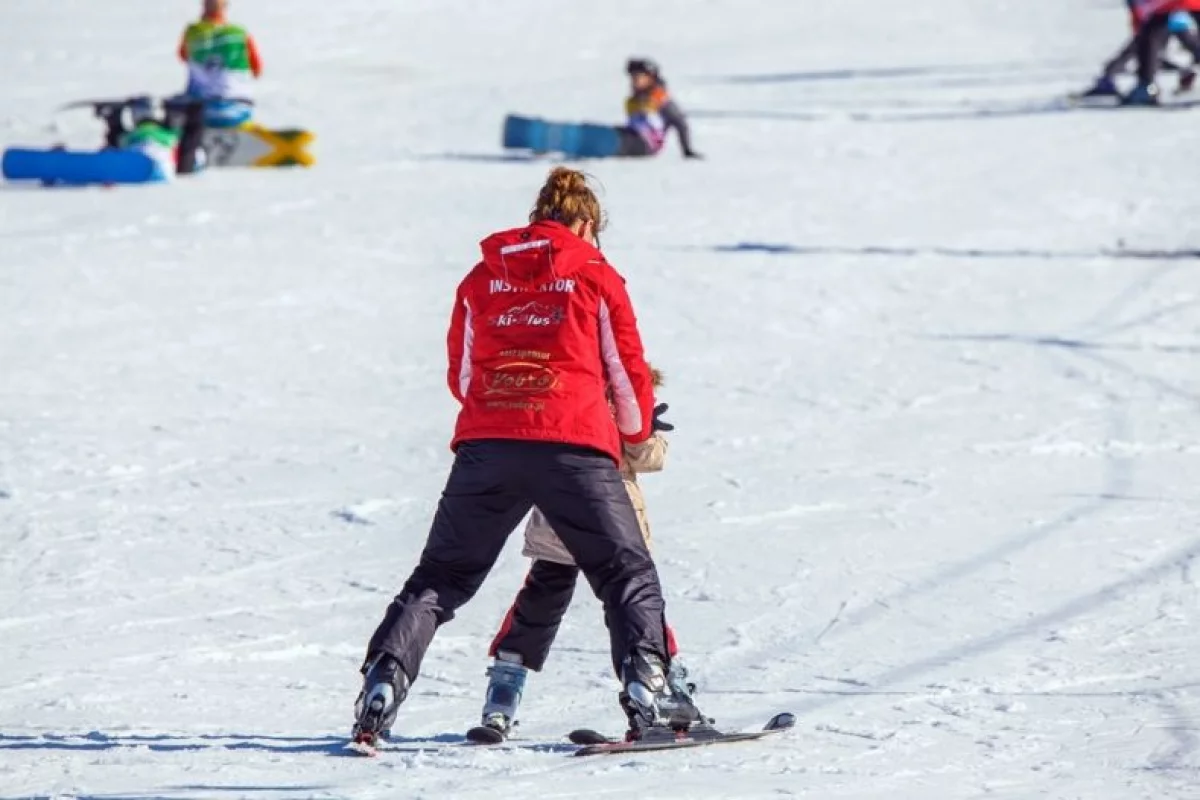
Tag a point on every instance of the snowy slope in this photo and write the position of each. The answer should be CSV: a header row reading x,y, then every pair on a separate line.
x,y
931,356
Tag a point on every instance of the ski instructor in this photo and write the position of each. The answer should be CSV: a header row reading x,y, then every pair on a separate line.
x,y
541,326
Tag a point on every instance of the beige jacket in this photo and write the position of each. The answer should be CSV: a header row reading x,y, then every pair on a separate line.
x,y
542,543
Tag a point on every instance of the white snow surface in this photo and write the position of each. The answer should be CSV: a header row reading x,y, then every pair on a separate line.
x,y
932,359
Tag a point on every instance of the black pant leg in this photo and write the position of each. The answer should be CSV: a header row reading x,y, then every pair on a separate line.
x,y
532,623
583,497
1117,64
190,137
1151,40
482,502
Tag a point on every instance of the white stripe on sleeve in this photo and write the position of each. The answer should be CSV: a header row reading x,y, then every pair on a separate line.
x,y
629,413
464,368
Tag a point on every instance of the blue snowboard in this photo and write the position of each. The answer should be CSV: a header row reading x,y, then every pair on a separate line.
x,y
578,140
80,168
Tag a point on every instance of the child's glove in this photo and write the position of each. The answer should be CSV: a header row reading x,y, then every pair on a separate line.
x,y
657,423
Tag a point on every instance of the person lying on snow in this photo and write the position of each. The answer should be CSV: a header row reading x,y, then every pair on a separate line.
x,y
531,624
172,139
1180,24
222,61
652,113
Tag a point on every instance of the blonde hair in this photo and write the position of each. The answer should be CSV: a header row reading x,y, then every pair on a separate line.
x,y
567,198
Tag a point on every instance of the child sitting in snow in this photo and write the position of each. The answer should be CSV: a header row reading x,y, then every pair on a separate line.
x,y
651,113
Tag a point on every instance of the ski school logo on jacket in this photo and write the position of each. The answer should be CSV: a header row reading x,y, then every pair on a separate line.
x,y
530,315
497,286
520,379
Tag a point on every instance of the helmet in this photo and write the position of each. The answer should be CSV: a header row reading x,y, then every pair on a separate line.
x,y
646,66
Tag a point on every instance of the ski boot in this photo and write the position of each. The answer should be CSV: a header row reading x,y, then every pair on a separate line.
x,y
384,688
677,675
1103,87
506,684
1144,94
657,704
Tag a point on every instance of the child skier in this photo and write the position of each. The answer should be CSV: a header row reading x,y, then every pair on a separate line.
x,y
529,628
651,112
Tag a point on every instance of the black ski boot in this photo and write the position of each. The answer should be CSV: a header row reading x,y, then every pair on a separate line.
x,y
384,689
1144,94
657,706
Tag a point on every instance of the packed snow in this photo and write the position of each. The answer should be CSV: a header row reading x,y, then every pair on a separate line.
x,y
931,351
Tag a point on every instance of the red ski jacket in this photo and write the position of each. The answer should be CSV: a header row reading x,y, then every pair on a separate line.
x,y
1143,10
540,328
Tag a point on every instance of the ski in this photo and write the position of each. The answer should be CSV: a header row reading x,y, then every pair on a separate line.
x,y
586,736
484,734
595,743
1082,102
363,745
586,742
175,101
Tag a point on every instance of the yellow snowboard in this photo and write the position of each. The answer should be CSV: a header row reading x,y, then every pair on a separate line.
x,y
252,145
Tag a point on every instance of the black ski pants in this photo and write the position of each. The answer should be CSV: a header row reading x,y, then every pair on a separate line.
x,y
1151,41
531,625
492,486
1118,63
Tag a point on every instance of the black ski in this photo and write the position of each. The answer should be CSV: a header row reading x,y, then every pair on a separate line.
x,y
177,101
596,744
589,736
1083,102
483,734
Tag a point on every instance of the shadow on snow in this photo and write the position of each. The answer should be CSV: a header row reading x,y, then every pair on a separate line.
x,y
898,251
96,740
888,73
968,112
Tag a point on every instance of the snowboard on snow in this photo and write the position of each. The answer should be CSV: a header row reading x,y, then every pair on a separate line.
x,y
577,140
252,145
61,167
245,145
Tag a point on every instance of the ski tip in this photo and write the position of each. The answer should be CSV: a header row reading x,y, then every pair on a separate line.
x,y
482,734
781,722
362,749
587,736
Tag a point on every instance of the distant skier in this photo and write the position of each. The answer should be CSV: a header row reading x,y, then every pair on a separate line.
x,y
1179,26
540,328
651,113
1157,20
222,61
531,625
